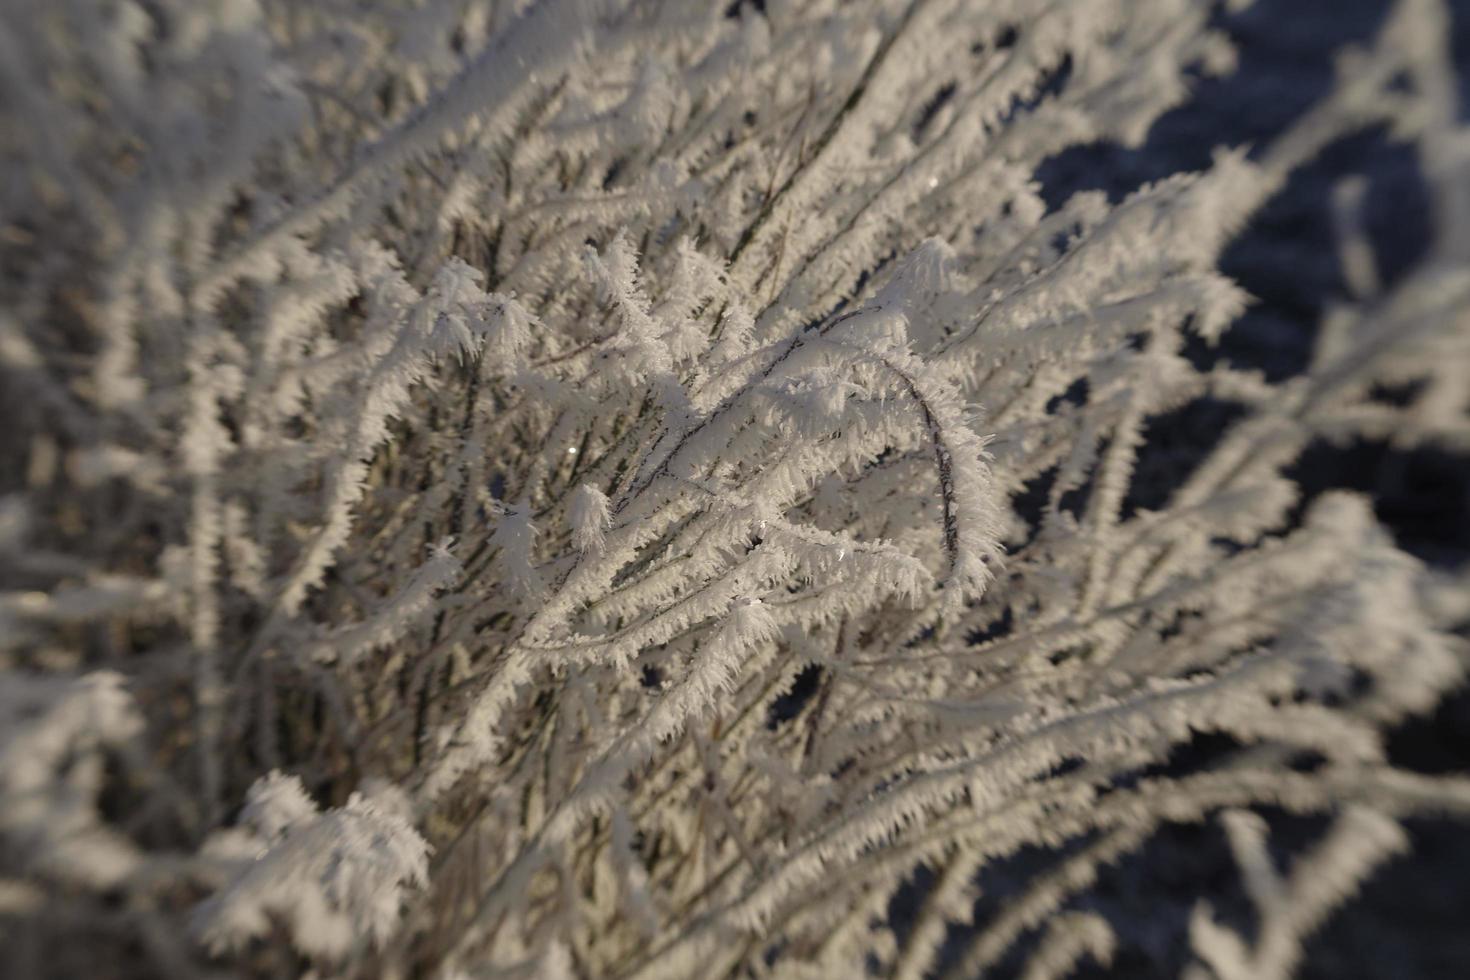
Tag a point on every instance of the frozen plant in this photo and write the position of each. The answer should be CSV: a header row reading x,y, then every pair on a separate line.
x,y
334,879
610,488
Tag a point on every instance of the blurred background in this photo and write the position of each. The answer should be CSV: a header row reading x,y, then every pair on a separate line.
x,y
1412,920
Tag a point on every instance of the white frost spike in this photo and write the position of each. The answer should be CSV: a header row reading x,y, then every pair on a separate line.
x,y
590,518
275,804
515,536
451,309
713,674
334,880
507,329
922,276
750,623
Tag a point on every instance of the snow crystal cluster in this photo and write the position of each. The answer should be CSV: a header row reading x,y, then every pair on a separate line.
x,y
611,489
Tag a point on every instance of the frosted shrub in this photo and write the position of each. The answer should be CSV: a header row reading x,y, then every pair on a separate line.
x,y
610,489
